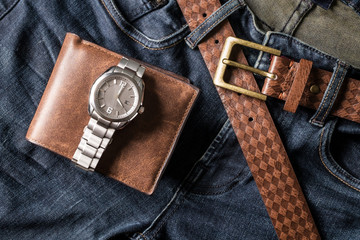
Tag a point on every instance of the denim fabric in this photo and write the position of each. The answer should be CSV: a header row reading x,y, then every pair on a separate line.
x,y
195,37
323,3
207,191
354,4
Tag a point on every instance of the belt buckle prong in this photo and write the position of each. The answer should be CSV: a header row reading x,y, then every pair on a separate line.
x,y
224,62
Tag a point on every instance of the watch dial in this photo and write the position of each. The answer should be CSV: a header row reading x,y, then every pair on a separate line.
x,y
117,97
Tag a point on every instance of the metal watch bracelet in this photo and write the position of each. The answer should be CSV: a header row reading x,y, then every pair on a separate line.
x,y
99,131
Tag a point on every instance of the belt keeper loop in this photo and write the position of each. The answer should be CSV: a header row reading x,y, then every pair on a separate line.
x,y
302,73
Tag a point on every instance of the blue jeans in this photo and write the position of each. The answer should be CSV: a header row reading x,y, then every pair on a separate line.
x,y
207,190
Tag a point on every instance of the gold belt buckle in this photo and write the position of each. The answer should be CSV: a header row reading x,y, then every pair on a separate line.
x,y
224,61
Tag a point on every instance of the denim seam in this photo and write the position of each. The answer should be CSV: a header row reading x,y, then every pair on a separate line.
x,y
233,185
8,10
327,95
166,218
181,191
217,140
334,95
329,155
216,193
206,20
223,184
340,80
202,25
137,31
214,24
142,9
327,168
137,41
253,21
350,4
142,236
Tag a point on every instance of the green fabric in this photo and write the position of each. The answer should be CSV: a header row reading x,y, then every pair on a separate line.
x,y
335,31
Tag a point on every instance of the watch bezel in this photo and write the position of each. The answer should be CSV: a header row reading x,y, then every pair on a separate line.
x,y
99,81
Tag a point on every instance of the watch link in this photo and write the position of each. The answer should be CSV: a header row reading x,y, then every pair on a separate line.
x,y
116,98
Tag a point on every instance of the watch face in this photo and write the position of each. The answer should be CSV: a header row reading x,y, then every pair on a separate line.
x,y
116,97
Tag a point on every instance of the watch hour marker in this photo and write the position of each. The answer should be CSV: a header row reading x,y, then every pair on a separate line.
x,y
122,84
115,81
130,88
102,105
132,96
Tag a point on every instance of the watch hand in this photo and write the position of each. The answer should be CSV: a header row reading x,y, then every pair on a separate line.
x,y
120,90
118,100
118,95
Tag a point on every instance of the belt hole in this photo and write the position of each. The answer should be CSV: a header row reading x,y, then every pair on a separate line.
x,y
204,15
251,119
216,41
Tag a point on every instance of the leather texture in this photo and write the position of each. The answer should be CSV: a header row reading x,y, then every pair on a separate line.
x,y
256,132
347,104
138,153
297,88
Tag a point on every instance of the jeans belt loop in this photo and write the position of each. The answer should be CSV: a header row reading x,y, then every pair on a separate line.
x,y
330,95
212,21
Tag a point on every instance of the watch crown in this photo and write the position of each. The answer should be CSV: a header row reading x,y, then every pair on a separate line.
x,y
141,109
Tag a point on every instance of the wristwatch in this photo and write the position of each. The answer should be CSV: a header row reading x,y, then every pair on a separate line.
x,y
116,98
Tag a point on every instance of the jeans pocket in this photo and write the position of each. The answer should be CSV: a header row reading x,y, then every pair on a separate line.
x,y
339,151
6,6
153,24
222,167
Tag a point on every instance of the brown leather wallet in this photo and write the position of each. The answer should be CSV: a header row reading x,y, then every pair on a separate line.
x,y
139,152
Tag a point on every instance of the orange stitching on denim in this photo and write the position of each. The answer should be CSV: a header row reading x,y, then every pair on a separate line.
x,y
327,95
150,48
332,173
207,20
333,97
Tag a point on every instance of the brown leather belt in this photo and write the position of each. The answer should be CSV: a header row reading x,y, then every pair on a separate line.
x,y
256,133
